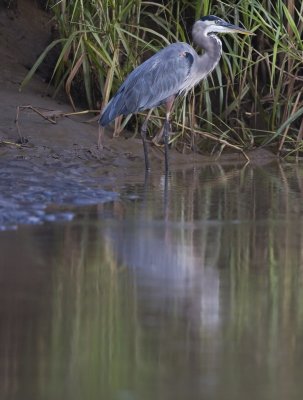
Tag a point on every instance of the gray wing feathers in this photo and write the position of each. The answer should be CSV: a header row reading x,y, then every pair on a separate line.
x,y
152,82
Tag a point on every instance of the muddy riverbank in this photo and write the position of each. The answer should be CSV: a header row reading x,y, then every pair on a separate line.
x,y
58,161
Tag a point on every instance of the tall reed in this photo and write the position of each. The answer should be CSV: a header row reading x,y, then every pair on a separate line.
x,y
253,98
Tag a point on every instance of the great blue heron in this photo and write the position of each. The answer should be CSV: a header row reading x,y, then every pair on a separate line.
x,y
172,71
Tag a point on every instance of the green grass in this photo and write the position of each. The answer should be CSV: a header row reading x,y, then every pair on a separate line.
x,y
254,96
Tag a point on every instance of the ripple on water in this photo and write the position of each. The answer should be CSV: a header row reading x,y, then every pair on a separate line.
x,y
27,190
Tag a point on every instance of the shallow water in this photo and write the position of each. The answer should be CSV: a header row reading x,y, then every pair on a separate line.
x,y
188,287
28,188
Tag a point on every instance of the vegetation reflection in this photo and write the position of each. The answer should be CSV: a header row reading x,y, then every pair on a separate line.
x,y
207,300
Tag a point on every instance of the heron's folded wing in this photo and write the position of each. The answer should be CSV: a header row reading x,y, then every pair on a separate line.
x,y
152,82
158,78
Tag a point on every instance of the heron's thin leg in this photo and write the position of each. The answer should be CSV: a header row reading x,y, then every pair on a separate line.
x,y
166,136
165,197
143,135
169,105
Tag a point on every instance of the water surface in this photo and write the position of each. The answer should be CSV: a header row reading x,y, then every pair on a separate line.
x,y
188,287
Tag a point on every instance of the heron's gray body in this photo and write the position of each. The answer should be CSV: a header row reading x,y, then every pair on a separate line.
x,y
170,72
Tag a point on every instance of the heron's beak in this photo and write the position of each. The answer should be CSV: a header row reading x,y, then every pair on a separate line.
x,y
236,29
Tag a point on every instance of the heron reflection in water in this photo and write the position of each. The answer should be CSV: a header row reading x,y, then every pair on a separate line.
x,y
172,71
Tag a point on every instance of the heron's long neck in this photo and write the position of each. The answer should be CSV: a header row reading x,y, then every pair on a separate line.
x,y
212,47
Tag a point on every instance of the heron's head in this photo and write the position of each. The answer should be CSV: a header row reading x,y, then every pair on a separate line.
x,y
212,24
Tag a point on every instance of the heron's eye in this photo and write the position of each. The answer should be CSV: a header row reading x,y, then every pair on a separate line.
x,y
217,21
